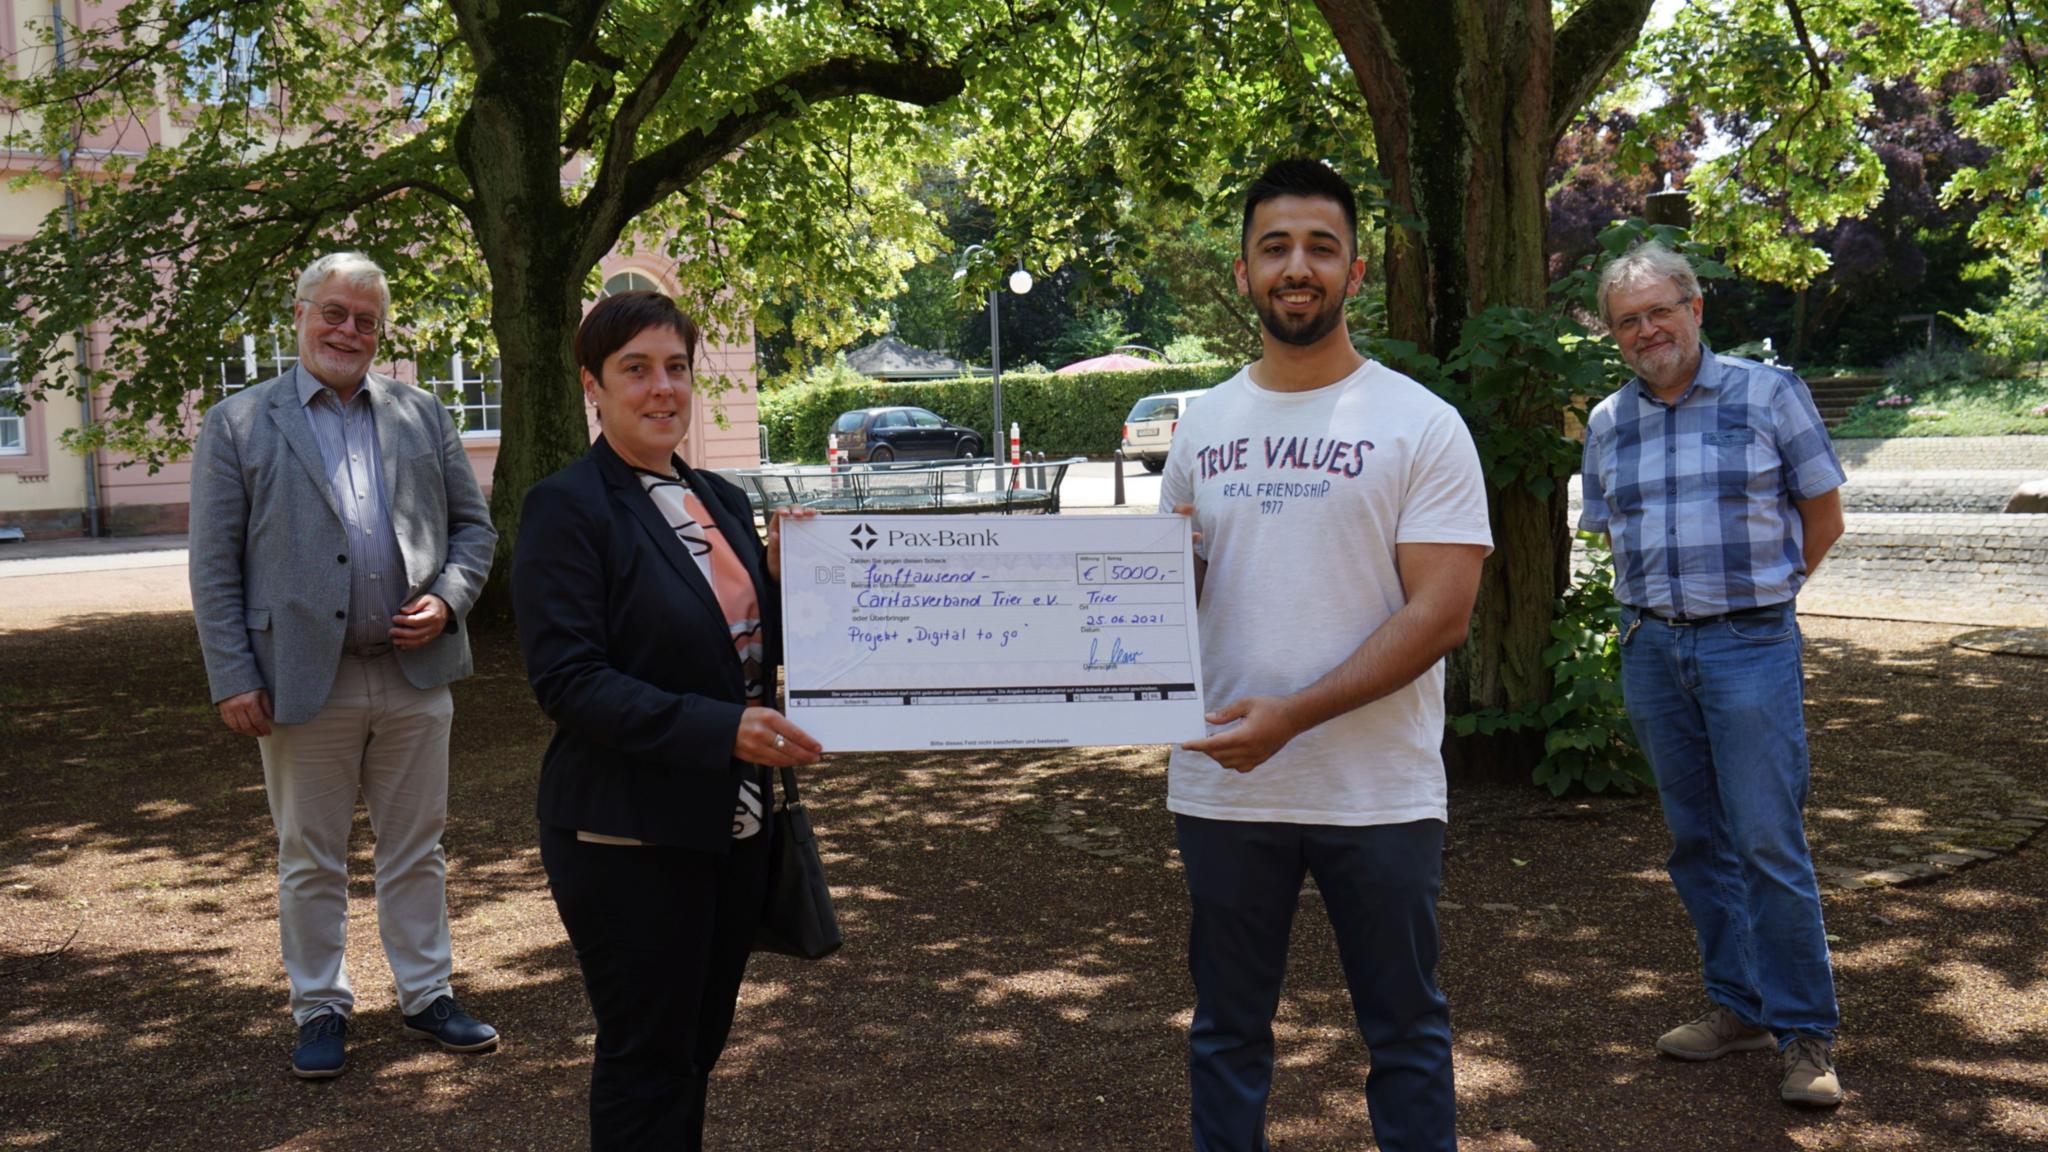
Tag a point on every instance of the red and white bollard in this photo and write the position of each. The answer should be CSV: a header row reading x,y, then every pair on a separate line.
x,y
832,449
1016,452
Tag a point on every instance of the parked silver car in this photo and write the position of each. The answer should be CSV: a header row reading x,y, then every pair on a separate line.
x,y
1148,430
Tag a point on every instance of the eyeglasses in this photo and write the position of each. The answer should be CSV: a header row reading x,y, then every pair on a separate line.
x,y
1661,316
366,323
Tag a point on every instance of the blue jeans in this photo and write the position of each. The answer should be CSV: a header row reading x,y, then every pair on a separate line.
x,y
1379,884
1719,711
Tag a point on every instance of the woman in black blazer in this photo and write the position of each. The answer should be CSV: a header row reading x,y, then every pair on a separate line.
x,y
648,619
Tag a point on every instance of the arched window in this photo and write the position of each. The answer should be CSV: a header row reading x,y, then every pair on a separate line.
x,y
629,281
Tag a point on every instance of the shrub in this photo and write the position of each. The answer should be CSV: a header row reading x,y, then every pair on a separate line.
x,y
1925,368
2015,332
1076,415
1587,739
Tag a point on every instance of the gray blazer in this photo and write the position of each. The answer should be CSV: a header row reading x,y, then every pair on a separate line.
x,y
268,549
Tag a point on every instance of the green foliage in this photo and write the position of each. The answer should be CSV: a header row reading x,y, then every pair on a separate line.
x,y
1923,368
1188,349
753,148
1969,408
1587,740
2004,41
833,373
1515,370
2013,333
1788,87
1095,332
1081,414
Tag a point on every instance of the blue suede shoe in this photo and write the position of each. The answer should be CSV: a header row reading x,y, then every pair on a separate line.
x,y
445,1022
323,1047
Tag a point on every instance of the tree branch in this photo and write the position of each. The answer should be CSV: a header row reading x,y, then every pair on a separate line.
x,y
20,964
1587,48
622,139
577,138
2019,35
677,164
1814,64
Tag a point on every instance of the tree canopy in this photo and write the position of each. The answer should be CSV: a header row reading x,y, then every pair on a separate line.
x,y
468,147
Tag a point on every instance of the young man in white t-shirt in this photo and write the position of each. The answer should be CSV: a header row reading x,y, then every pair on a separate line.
x,y
1342,525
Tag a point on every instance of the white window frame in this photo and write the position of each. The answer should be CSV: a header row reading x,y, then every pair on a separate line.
x,y
653,283
481,420
13,425
260,355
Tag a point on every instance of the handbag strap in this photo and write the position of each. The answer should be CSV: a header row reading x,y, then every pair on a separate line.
x,y
789,796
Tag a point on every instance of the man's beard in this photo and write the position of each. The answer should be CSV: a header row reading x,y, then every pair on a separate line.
x,y
1300,332
1659,364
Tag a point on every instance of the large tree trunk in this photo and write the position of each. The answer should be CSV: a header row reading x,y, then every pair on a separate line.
x,y
509,147
1461,95
535,308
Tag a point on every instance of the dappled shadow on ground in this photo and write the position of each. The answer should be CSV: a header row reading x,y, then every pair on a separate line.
x,y
1014,971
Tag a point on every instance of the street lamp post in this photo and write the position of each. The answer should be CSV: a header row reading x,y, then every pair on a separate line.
x,y
1020,283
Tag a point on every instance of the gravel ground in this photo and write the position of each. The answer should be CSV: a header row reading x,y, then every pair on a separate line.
x,y
1013,975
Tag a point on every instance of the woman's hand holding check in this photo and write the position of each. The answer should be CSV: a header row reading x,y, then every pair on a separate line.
x,y
768,738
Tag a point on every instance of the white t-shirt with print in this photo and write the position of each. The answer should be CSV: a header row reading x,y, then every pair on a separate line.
x,y
1300,498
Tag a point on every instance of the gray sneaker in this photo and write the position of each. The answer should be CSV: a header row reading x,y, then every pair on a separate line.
x,y
1810,1074
1713,1036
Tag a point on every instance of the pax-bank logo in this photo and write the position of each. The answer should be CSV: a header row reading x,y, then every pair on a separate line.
x,y
863,536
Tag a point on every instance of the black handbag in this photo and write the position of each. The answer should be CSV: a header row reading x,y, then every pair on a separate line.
x,y
798,919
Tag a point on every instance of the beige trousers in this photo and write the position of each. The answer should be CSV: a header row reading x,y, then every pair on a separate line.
x,y
382,737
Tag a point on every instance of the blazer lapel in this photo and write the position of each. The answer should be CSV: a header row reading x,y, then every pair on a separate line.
x,y
625,485
290,417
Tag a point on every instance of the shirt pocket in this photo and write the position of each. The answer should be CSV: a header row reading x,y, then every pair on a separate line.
x,y
1726,454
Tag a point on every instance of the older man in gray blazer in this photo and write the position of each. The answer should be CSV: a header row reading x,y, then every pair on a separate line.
x,y
338,539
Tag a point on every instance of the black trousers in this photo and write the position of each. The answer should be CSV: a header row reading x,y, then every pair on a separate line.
x,y
662,936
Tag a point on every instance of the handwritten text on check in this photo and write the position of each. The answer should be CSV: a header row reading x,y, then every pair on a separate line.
x,y
921,632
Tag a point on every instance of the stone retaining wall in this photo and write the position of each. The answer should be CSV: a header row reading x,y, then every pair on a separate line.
x,y
1946,453
1869,491
1911,491
1983,560
1950,567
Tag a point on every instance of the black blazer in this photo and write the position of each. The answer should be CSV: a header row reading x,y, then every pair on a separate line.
x,y
630,655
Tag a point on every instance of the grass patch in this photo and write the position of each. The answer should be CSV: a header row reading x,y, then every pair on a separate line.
x,y
1970,408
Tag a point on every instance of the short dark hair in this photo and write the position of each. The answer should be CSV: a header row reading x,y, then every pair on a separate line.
x,y
618,318
1299,177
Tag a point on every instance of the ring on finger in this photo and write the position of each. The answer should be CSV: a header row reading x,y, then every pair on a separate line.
x,y
779,741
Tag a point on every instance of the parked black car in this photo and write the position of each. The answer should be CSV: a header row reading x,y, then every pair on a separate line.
x,y
879,435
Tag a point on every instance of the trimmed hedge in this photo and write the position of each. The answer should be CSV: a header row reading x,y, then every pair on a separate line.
x,y
1079,415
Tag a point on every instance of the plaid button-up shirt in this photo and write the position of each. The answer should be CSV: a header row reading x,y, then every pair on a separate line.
x,y
1698,494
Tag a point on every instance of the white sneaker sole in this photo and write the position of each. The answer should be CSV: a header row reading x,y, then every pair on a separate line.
x,y
422,1034
1810,1099
1751,1044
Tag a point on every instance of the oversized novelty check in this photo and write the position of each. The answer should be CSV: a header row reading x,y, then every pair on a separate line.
x,y
920,632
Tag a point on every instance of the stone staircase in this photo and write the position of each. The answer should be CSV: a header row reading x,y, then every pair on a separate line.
x,y
1835,395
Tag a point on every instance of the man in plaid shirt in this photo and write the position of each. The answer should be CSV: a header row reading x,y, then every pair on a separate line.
x,y
1716,484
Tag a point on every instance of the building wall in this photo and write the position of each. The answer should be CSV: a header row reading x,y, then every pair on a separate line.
x,y
43,490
